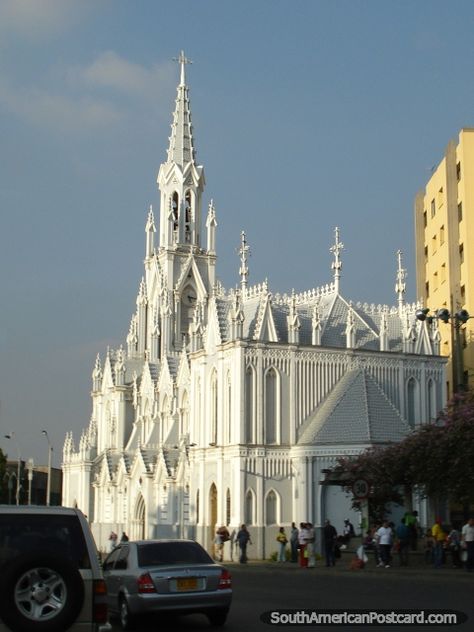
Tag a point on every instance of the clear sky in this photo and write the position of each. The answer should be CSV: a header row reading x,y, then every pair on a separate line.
x,y
307,115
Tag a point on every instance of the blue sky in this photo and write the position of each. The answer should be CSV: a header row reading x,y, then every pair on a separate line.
x,y
307,115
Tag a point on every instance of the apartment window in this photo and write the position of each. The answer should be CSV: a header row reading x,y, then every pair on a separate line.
x,y
440,197
461,253
460,212
433,208
425,219
442,274
458,171
426,254
441,236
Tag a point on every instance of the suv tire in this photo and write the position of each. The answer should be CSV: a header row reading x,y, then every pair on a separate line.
x,y
40,594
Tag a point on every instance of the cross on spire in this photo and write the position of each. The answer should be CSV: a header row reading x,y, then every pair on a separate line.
x,y
336,264
182,60
244,252
400,285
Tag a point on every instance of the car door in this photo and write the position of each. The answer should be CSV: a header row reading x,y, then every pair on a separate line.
x,y
110,579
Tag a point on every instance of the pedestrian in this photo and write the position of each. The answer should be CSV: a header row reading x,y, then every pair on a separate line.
x,y
347,531
329,539
294,542
429,547
310,545
467,540
302,542
243,538
439,537
124,537
113,537
403,534
225,537
282,542
411,521
218,546
233,542
454,546
384,537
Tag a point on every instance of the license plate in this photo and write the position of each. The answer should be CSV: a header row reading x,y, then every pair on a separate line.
x,y
187,583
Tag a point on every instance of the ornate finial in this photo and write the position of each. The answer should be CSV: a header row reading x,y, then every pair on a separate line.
x,y
244,252
400,286
182,60
336,264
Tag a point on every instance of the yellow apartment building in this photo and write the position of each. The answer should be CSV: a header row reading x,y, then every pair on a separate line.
x,y
444,241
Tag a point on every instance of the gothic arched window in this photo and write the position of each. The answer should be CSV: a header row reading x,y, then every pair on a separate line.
x,y
248,509
271,508
271,406
431,400
228,411
214,408
175,209
188,216
412,401
184,414
227,507
249,428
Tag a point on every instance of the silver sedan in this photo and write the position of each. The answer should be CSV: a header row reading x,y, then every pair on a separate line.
x,y
149,577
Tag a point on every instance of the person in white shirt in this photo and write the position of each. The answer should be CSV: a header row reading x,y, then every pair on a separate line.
x,y
467,541
384,536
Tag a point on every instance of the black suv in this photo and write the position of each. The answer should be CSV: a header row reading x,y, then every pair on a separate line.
x,y
50,575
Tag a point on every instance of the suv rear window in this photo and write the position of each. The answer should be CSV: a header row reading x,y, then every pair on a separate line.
x,y
164,553
60,535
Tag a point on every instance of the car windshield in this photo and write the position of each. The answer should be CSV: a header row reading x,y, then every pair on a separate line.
x,y
166,553
61,535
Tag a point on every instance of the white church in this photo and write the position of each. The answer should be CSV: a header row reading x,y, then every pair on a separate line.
x,y
225,406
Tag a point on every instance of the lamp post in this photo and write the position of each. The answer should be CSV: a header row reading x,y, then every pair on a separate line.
x,y
457,320
48,484
30,467
12,437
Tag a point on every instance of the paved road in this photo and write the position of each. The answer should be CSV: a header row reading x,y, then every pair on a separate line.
x,y
260,587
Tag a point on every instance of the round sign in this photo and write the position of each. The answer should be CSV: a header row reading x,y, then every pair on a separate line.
x,y
360,488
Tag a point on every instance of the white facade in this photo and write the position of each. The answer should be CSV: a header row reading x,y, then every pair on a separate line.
x,y
225,407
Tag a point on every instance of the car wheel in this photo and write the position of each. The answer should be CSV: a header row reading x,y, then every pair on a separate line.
x,y
127,621
40,594
218,616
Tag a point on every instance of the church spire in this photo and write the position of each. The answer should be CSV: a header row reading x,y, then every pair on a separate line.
x,y
181,147
337,263
400,285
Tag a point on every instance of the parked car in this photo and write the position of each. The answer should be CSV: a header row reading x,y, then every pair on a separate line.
x,y
155,576
50,574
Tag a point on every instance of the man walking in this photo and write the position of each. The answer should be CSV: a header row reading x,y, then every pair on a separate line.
x,y
467,541
439,537
384,540
329,536
294,542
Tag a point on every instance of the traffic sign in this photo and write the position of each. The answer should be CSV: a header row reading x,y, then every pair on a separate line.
x,y
360,488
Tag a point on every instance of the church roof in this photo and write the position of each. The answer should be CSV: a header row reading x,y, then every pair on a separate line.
x,y
356,411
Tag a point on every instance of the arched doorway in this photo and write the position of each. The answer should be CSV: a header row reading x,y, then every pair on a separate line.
x,y
212,514
138,523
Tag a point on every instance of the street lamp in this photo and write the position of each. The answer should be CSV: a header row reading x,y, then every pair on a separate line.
x,y
30,466
48,484
457,320
12,437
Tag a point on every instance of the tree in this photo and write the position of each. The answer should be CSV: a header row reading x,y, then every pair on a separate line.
x,y
437,459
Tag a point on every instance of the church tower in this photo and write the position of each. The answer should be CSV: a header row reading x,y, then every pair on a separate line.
x,y
180,272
